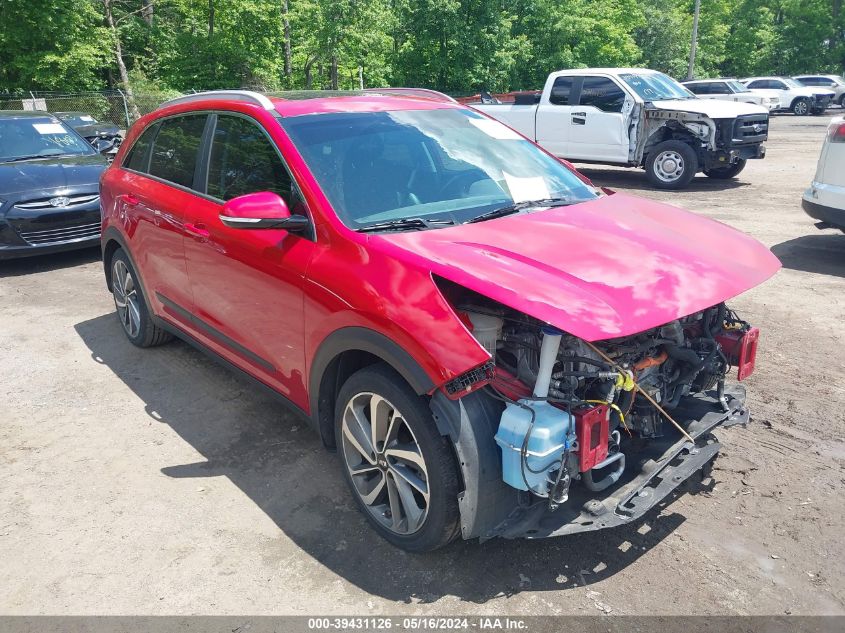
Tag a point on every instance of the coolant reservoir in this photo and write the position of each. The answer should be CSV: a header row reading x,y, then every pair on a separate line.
x,y
552,433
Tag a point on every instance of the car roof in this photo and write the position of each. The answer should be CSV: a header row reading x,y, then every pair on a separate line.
x,y
24,114
606,71
302,102
71,114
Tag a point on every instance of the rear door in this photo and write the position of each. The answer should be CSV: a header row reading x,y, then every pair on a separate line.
x,y
247,283
157,177
598,125
554,113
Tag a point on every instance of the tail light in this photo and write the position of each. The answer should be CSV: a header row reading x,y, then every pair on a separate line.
x,y
741,349
591,430
836,132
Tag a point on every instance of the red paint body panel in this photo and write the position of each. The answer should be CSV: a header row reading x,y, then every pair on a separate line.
x,y
610,267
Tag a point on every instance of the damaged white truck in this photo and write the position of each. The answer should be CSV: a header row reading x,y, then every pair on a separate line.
x,y
636,118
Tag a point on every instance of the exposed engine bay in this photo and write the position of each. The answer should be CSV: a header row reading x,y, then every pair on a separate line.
x,y
574,409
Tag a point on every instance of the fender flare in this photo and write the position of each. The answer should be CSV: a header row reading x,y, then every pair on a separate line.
x,y
111,234
362,339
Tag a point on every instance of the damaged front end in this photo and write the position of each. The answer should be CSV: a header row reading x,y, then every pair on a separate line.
x,y
559,435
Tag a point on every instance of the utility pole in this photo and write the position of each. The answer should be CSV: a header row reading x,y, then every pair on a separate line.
x,y
693,44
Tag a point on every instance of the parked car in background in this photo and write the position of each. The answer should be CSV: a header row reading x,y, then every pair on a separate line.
x,y
637,118
732,90
49,186
824,200
831,82
104,137
405,272
798,99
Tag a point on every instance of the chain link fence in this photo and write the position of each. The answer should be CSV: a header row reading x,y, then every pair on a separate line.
x,y
107,107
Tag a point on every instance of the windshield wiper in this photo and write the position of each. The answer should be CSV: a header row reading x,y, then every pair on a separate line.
x,y
30,157
406,223
519,206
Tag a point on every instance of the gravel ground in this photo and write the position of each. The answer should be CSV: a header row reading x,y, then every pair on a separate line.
x,y
154,481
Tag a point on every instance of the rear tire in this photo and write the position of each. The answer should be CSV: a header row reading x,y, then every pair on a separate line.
x,y
801,107
400,470
671,165
131,306
729,171
842,101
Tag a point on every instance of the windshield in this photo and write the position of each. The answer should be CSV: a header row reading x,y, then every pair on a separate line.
x,y
78,119
789,81
656,86
735,86
38,137
448,164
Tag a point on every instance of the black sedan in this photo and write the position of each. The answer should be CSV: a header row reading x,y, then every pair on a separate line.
x,y
49,186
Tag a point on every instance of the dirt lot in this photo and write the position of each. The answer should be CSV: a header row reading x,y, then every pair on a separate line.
x,y
153,481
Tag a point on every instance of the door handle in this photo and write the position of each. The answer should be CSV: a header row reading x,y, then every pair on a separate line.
x,y
197,231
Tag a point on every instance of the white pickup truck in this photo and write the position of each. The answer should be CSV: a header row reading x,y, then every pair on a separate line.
x,y
637,118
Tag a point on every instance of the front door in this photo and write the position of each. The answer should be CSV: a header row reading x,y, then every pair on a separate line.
x,y
598,125
247,283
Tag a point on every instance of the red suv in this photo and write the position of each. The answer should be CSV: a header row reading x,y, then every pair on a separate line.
x,y
493,346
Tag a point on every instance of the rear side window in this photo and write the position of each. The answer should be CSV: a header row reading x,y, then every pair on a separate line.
x,y
175,149
243,160
139,156
602,93
699,89
561,89
719,88
758,84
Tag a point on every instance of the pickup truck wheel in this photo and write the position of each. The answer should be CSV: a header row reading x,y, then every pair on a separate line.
x,y
401,471
801,107
729,171
671,165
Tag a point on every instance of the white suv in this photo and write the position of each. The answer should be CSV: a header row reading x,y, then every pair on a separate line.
x,y
825,199
801,100
831,82
732,90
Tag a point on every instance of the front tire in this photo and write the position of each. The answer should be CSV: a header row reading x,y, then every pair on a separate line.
x,y
400,470
729,171
801,107
130,304
842,101
671,165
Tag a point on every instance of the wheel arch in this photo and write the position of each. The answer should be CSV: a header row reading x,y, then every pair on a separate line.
x,y
112,241
342,353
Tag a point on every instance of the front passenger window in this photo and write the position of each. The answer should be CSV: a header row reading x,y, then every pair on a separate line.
x,y
243,160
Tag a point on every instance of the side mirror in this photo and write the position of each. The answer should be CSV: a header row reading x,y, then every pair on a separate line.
x,y
262,210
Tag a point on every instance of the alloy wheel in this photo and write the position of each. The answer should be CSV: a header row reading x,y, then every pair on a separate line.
x,y
385,463
802,108
669,166
126,298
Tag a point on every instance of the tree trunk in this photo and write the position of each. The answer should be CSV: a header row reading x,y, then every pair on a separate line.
x,y
118,54
309,63
333,72
210,19
286,25
147,10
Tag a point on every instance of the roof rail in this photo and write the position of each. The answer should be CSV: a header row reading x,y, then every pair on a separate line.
x,y
235,95
424,93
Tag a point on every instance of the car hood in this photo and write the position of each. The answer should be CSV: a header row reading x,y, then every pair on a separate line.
x,y
713,108
809,91
51,173
610,267
96,129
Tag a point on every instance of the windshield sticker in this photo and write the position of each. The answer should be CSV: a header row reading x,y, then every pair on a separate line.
x,y
496,130
49,128
522,189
